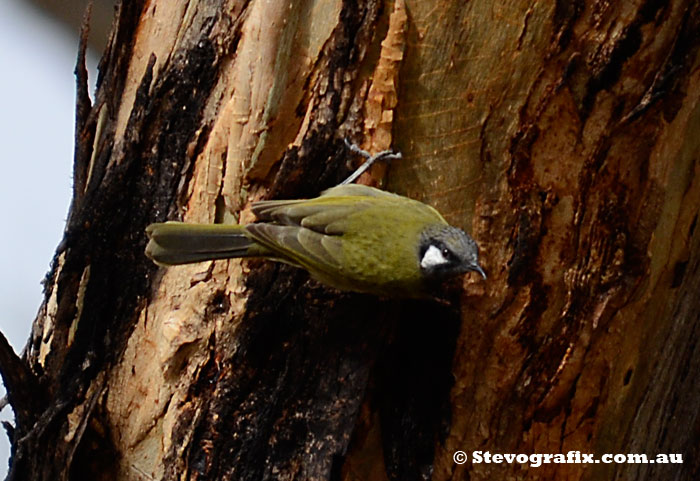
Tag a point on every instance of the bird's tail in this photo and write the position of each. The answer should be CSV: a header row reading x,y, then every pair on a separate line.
x,y
175,243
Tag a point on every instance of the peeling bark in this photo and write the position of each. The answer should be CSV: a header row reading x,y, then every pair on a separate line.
x,y
561,135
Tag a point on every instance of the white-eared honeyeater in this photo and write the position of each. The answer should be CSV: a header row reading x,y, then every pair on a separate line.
x,y
351,237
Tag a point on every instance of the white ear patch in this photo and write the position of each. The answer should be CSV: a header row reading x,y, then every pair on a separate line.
x,y
432,257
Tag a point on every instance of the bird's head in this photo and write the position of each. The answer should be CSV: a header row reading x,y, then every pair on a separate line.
x,y
446,251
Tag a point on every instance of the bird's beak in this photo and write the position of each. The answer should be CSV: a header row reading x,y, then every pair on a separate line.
x,y
478,269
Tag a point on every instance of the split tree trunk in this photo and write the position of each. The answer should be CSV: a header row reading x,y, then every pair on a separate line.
x,y
563,136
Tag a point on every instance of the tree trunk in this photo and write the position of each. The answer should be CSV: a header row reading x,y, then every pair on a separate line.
x,y
562,135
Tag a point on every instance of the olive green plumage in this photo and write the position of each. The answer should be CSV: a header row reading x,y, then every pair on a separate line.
x,y
352,237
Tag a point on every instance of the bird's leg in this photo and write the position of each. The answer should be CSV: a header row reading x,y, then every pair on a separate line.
x,y
371,159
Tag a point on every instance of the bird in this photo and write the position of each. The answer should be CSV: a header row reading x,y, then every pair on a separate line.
x,y
351,237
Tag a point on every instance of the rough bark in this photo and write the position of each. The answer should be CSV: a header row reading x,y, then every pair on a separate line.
x,y
561,135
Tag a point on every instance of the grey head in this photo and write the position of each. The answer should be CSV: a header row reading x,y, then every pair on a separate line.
x,y
446,251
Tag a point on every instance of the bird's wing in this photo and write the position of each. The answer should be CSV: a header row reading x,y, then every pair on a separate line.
x,y
308,231
306,247
325,215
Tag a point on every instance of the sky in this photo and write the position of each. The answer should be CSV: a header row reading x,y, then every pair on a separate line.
x,y
37,94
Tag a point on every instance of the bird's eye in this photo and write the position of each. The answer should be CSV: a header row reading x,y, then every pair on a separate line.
x,y
434,257
447,254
